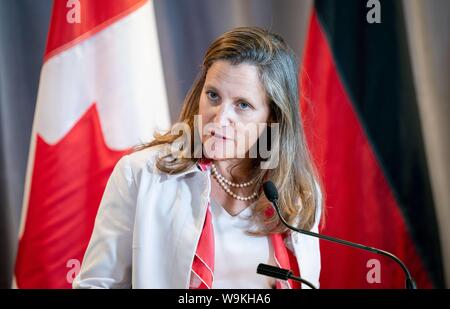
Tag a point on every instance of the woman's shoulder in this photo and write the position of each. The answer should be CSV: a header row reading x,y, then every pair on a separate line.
x,y
142,164
141,160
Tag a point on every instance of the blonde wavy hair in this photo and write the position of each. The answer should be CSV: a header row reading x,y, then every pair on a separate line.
x,y
295,175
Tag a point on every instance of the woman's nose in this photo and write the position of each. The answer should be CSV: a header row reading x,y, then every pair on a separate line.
x,y
223,115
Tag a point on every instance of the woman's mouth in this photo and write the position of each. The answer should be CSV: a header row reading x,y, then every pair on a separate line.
x,y
219,136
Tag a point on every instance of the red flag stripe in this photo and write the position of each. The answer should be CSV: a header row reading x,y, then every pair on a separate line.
x,y
95,16
63,202
357,191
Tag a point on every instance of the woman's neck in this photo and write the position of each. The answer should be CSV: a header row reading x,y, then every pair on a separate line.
x,y
236,170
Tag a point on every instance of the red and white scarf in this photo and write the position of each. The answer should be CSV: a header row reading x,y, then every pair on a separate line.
x,y
202,273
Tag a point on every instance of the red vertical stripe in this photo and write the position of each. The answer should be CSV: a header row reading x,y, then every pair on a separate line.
x,y
94,16
360,205
64,198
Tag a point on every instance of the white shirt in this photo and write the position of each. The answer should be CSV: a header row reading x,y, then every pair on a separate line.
x,y
237,254
148,225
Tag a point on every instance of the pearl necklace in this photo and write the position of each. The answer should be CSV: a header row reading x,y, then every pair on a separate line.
x,y
225,183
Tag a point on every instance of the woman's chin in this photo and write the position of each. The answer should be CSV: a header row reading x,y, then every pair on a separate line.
x,y
219,154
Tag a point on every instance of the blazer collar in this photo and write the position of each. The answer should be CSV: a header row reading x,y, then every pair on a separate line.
x,y
199,167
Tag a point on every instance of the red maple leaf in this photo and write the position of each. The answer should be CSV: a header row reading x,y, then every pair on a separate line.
x,y
67,184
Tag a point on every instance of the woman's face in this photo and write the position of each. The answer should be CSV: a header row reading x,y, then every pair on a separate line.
x,y
233,109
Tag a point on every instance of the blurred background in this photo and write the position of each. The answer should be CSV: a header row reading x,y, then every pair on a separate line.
x,y
394,74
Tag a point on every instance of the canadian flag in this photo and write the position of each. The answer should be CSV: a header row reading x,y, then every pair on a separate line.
x,y
101,92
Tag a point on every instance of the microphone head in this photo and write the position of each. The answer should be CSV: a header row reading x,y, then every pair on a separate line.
x,y
274,272
270,191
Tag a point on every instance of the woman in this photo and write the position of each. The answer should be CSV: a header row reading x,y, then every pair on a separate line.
x,y
192,214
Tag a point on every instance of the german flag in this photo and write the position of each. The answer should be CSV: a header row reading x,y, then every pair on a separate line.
x,y
363,128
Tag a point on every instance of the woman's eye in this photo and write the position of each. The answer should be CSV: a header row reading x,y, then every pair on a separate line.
x,y
212,95
244,105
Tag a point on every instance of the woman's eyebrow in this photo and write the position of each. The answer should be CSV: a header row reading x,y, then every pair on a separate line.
x,y
239,98
210,87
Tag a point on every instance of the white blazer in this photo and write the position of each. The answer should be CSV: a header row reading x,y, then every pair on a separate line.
x,y
148,225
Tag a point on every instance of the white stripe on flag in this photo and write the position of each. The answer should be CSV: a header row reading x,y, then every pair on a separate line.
x,y
119,69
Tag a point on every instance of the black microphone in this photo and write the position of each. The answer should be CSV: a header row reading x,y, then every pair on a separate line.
x,y
271,193
280,273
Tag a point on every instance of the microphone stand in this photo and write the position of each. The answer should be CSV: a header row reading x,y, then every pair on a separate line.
x,y
281,273
272,195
